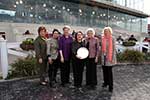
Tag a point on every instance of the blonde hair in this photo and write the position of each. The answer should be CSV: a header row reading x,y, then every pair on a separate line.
x,y
107,28
90,29
66,26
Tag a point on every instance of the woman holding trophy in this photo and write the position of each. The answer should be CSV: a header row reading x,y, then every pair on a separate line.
x,y
108,57
79,53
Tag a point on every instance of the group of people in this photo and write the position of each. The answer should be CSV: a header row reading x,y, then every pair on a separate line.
x,y
60,51
121,40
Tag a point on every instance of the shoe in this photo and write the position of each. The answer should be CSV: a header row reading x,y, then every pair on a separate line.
x,y
88,87
68,83
50,84
110,89
80,90
72,87
62,85
104,85
55,80
46,81
93,87
43,83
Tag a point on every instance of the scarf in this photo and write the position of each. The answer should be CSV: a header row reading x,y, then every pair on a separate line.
x,y
109,50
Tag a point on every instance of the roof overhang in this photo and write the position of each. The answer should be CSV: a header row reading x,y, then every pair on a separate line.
x,y
112,6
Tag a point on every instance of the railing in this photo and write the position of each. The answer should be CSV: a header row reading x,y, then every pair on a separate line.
x,y
5,49
13,52
8,48
3,57
139,47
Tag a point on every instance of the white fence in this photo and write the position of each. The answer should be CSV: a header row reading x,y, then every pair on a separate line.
x,y
3,58
139,47
6,48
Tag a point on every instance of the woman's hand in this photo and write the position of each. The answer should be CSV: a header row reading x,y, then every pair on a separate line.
x,y
61,56
78,57
62,59
40,60
96,60
50,60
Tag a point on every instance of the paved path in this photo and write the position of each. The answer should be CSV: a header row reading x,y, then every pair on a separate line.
x,y
130,83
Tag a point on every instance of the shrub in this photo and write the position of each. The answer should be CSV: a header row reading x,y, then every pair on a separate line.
x,y
147,56
120,57
1,77
130,56
23,67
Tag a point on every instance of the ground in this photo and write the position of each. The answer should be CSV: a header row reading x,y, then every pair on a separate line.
x,y
131,82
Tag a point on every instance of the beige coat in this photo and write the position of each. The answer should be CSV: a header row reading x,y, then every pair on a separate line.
x,y
52,48
114,59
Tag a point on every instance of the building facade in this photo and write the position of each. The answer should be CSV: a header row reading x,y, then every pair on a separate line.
x,y
119,14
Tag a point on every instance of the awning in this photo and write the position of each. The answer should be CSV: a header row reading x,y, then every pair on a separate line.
x,y
111,6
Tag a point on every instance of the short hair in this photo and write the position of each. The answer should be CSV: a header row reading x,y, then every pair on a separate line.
x,y
40,29
107,28
77,34
56,30
90,29
66,26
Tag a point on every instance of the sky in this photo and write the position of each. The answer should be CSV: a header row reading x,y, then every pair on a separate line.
x,y
147,8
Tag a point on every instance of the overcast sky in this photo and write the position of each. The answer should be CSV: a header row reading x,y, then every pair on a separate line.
x,y
147,8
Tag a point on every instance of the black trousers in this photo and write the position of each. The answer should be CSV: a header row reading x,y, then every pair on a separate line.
x,y
91,72
65,72
43,69
53,68
78,67
108,75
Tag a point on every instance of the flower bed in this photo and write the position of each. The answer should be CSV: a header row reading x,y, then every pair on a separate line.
x,y
27,44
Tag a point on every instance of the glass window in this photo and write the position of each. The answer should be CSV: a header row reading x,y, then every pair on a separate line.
x,y
61,12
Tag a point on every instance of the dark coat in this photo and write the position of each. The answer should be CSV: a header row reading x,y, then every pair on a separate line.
x,y
40,46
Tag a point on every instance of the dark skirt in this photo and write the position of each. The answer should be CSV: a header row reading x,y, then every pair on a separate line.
x,y
91,72
78,67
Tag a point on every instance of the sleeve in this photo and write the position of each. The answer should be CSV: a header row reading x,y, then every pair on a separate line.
x,y
48,48
60,43
84,44
71,45
37,48
97,48
114,51
73,48
87,44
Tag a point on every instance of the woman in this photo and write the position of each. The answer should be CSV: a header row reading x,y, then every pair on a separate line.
x,y
77,62
53,56
92,45
41,56
65,45
108,57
